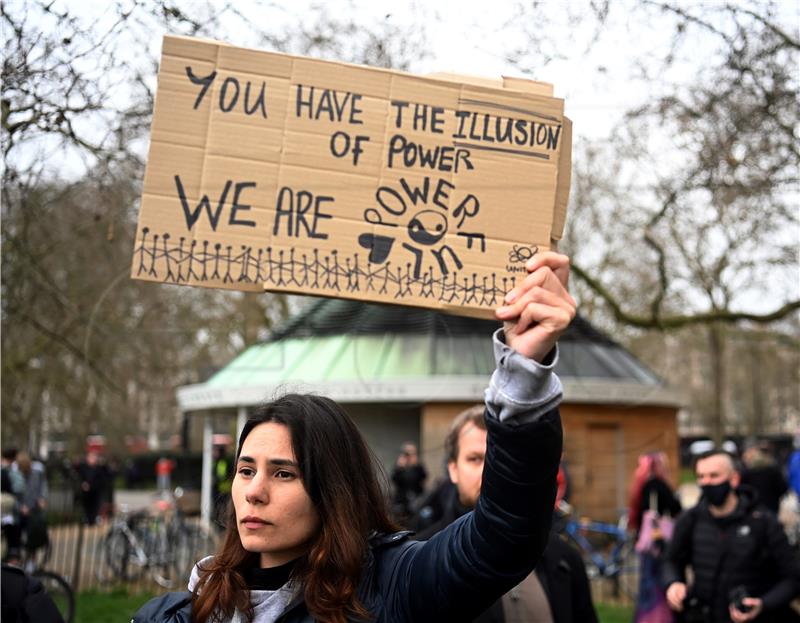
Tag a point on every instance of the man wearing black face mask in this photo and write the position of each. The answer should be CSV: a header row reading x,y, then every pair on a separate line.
x,y
744,569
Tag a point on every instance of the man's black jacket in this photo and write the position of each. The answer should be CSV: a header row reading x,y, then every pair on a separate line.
x,y
746,548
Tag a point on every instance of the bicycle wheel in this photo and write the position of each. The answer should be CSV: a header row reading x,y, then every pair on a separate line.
x,y
60,592
194,543
162,557
105,552
160,547
120,557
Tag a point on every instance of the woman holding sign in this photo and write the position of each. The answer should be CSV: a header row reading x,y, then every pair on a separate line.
x,y
308,535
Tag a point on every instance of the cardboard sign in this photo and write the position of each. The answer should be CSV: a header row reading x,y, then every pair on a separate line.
x,y
277,172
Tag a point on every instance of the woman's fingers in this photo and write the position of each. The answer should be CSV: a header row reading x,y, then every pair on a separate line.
x,y
556,262
539,309
551,271
542,286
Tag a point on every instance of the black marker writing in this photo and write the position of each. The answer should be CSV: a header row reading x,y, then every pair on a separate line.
x,y
341,145
229,93
424,118
293,208
505,130
328,104
404,153
192,216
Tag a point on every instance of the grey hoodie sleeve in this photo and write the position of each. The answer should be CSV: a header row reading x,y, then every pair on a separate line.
x,y
521,390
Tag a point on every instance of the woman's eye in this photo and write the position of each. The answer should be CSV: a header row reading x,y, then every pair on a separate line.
x,y
246,472
284,475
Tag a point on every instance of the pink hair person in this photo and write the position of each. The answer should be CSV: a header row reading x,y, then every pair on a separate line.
x,y
650,465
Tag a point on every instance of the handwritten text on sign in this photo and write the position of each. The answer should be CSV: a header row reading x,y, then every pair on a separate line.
x,y
264,177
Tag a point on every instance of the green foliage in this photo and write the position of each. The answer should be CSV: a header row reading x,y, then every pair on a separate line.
x,y
118,605
101,607
611,613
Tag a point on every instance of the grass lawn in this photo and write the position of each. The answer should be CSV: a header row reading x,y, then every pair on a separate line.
x,y
609,613
101,607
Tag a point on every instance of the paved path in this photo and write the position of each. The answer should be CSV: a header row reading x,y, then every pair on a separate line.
x,y
134,500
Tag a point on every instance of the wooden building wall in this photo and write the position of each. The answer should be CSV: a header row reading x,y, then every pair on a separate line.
x,y
602,445
434,424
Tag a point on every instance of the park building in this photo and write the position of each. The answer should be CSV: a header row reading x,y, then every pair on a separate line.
x,y
403,373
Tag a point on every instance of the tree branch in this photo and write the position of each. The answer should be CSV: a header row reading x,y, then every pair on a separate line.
x,y
61,339
781,34
679,321
688,17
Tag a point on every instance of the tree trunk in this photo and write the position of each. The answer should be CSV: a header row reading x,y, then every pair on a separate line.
x,y
716,419
757,424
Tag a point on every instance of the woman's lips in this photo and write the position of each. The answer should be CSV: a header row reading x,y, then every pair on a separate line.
x,y
253,523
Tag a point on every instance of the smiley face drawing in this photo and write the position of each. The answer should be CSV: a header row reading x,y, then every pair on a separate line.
x,y
425,228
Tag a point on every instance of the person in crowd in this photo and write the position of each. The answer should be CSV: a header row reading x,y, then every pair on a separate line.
x,y
558,590
92,479
164,468
791,519
29,483
793,466
112,470
10,508
432,506
761,473
743,567
132,473
7,458
221,477
564,483
309,537
408,477
651,492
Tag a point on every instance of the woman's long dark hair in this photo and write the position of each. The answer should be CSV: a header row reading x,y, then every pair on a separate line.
x,y
339,475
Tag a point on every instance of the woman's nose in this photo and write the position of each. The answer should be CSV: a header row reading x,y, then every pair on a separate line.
x,y
256,491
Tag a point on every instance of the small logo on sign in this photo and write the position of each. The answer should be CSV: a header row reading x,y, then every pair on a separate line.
x,y
519,253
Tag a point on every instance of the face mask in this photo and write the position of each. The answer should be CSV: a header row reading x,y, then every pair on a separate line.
x,y
716,494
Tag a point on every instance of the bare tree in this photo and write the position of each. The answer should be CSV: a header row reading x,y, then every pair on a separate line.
x,y
686,214
86,349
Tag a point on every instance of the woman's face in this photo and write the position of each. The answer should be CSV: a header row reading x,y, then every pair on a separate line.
x,y
274,514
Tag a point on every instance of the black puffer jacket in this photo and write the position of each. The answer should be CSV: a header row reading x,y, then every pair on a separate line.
x,y
462,570
560,570
24,599
746,548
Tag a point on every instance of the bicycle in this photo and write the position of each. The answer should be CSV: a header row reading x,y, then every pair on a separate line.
x,y
136,542
161,541
193,540
618,564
